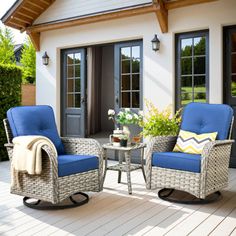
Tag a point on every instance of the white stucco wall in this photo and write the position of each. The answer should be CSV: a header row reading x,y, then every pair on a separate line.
x,y
158,67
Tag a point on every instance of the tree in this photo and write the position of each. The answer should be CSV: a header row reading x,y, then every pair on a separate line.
x,y
28,61
6,47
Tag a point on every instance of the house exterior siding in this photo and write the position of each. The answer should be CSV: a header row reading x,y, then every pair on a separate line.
x,y
62,9
158,67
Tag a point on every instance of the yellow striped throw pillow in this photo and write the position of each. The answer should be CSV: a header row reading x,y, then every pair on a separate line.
x,y
189,142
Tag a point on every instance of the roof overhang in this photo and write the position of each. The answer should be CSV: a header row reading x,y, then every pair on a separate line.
x,y
24,12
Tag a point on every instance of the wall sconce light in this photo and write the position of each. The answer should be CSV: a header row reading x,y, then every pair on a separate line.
x,y
45,59
155,43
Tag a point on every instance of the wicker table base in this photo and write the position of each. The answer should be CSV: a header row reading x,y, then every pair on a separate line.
x,y
126,166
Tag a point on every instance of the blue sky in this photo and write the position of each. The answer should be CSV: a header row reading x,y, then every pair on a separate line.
x,y
5,5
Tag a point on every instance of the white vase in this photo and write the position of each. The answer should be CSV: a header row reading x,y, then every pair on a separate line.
x,y
126,131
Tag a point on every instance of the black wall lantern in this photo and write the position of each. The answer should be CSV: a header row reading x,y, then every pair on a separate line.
x,y
45,59
155,43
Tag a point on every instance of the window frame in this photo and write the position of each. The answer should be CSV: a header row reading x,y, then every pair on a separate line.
x,y
178,38
118,73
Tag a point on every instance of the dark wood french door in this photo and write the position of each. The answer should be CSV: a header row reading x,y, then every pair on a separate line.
x,y
73,92
230,79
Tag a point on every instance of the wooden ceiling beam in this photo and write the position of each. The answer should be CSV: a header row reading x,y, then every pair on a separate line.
x,y
25,18
37,6
26,15
21,19
46,2
29,9
185,3
14,25
18,22
35,39
162,15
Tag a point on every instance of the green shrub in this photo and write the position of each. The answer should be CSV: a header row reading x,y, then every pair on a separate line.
x,y
10,96
157,123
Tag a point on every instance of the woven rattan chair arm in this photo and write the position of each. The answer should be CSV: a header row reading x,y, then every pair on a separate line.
x,y
209,147
84,146
161,144
157,144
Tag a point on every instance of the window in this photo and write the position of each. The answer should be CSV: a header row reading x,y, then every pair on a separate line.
x,y
192,74
73,80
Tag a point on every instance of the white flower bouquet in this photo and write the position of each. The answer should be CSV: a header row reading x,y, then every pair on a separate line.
x,y
125,117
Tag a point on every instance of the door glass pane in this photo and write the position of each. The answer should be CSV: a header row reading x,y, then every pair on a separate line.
x,y
126,66
125,53
70,58
186,98
200,46
200,84
199,97
70,100
136,52
186,84
186,47
70,85
136,66
233,86
233,58
233,37
135,82
186,66
77,58
199,65
77,70
125,99
77,100
77,85
135,100
70,71
125,82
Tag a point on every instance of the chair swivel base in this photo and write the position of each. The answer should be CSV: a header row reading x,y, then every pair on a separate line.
x,y
68,203
166,194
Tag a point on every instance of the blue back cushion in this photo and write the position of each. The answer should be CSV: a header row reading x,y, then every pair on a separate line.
x,y
206,118
35,120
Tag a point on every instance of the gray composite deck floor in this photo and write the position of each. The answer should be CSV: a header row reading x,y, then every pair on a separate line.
x,y
114,212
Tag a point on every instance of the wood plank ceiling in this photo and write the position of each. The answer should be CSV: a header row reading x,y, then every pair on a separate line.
x,y
24,12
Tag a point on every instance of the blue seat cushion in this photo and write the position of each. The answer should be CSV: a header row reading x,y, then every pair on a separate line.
x,y
73,164
35,120
203,118
177,161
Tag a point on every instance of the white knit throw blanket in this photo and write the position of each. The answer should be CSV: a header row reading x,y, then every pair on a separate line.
x,y
27,154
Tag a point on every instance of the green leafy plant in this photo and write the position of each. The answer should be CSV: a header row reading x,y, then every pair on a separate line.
x,y
28,61
159,123
10,96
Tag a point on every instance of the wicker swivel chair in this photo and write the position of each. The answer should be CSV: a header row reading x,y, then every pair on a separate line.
x,y
78,166
200,175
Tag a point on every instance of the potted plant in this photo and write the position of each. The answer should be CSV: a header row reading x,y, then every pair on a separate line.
x,y
159,123
123,140
125,117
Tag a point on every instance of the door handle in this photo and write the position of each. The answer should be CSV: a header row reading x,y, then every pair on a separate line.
x,y
117,100
82,100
